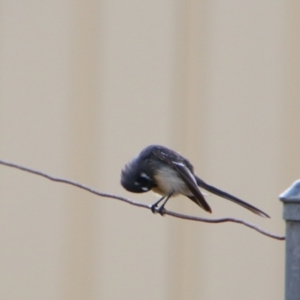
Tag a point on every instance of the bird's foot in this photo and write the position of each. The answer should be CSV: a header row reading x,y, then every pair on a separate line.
x,y
153,208
160,210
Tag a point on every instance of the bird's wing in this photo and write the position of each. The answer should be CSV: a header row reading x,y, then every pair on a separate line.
x,y
186,175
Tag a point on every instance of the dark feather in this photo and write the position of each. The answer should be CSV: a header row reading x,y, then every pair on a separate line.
x,y
227,196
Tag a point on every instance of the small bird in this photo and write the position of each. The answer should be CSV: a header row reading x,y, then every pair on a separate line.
x,y
169,174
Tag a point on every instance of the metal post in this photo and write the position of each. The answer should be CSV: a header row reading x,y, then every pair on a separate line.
x,y
291,214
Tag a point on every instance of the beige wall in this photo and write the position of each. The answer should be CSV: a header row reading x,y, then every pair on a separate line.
x,y
85,85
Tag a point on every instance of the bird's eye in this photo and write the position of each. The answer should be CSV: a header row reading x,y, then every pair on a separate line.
x,y
142,181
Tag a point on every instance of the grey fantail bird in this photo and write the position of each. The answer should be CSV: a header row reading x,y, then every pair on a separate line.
x,y
167,173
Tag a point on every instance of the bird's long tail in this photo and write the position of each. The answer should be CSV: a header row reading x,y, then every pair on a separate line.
x,y
227,196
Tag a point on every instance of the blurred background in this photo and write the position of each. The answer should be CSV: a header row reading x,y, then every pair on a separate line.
x,y
85,85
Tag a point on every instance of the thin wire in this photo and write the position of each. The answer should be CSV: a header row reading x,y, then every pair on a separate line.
x,y
134,203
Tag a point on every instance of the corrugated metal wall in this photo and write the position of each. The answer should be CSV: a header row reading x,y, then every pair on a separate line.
x,y
85,85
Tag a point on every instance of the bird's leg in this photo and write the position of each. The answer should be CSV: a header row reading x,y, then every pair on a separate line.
x,y
154,205
163,205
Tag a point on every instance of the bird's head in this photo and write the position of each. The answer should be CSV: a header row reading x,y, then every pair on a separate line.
x,y
136,177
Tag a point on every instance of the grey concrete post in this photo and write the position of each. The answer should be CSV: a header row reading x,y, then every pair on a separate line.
x,y
291,214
